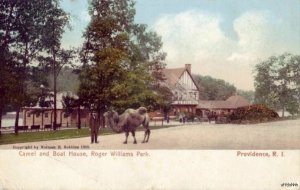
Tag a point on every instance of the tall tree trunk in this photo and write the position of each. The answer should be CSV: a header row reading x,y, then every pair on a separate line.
x,y
22,79
78,118
55,91
17,120
42,119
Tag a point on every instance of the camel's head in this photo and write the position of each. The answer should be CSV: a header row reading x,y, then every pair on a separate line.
x,y
111,116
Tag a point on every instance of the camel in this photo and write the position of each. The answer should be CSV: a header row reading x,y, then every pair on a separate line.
x,y
128,122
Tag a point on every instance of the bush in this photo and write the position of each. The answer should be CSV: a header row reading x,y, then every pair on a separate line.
x,y
253,113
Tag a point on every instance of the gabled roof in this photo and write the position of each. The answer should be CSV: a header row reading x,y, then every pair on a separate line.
x,y
232,102
173,75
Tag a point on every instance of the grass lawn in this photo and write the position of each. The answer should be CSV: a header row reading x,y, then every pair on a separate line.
x,y
59,134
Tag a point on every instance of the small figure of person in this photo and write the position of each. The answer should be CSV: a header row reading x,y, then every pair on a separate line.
x,y
94,126
184,118
216,116
180,118
208,113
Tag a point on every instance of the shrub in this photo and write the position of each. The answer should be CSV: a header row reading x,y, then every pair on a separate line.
x,y
254,113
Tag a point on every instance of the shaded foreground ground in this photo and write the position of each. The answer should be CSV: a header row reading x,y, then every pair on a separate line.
x,y
273,135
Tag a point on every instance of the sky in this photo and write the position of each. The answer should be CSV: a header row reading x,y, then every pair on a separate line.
x,y
224,39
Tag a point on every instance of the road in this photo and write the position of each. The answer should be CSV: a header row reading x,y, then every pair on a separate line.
x,y
272,135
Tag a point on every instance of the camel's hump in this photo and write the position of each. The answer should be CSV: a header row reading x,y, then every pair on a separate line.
x,y
140,110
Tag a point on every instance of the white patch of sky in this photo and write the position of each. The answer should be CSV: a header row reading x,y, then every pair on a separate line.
x,y
223,39
79,18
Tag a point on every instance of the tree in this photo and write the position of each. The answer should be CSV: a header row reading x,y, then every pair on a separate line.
x,y
295,77
214,89
67,80
121,59
28,28
70,104
7,18
22,23
165,100
56,21
6,79
276,82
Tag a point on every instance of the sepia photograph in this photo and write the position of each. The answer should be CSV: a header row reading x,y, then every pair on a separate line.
x,y
140,94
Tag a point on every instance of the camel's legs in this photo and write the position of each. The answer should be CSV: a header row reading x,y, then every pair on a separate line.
x,y
126,134
145,136
133,134
148,132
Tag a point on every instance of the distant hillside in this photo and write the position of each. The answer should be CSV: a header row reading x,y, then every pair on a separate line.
x,y
67,80
212,88
218,89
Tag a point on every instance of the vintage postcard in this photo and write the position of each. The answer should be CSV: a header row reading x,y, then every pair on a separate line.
x,y
140,94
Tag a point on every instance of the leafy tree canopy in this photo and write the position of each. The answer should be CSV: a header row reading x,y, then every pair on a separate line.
x,y
28,30
122,61
277,82
214,89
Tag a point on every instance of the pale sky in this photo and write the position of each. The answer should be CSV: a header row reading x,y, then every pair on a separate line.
x,y
220,38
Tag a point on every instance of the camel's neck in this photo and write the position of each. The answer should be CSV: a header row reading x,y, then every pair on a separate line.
x,y
115,124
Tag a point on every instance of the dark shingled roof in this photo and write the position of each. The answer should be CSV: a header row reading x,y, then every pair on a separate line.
x,y
232,102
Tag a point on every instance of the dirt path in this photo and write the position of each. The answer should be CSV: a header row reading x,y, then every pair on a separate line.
x,y
274,135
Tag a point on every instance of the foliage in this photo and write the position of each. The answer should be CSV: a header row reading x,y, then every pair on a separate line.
x,y
277,82
214,89
121,60
247,94
70,103
56,21
254,112
67,80
24,35
165,99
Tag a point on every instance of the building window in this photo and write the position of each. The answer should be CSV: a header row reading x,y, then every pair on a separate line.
x,y
37,115
28,115
65,115
46,115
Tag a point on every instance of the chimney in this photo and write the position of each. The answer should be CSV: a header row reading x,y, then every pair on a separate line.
x,y
188,67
